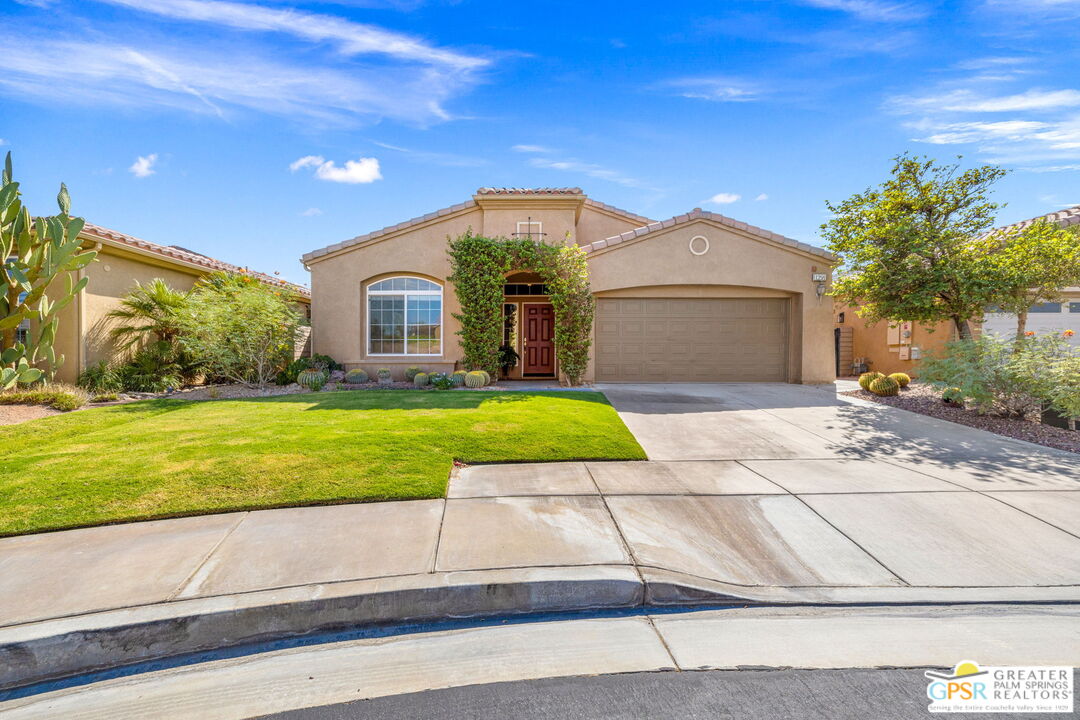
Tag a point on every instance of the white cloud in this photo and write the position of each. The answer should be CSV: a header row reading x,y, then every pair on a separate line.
x,y
965,100
354,172
724,198
435,158
351,38
873,10
590,169
311,212
3,141
306,161
204,79
144,165
716,89
761,198
531,149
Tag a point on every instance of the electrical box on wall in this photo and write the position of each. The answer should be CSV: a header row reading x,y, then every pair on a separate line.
x,y
905,352
916,353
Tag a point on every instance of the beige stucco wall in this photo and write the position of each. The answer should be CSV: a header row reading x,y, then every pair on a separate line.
x,y
736,264
595,224
339,282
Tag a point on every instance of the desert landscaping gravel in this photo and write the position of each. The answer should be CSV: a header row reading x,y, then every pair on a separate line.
x,y
925,400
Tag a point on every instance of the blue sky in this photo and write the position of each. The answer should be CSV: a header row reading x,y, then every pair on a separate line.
x,y
257,131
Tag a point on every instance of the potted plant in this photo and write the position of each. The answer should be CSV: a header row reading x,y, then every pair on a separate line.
x,y
508,359
384,376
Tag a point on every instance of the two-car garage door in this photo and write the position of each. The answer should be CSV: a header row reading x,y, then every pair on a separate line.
x,y
691,340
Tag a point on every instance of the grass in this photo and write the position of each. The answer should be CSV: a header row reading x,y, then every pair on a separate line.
x,y
58,397
166,458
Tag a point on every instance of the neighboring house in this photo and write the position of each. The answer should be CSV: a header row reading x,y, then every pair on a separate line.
x,y
1045,317
83,332
884,346
698,297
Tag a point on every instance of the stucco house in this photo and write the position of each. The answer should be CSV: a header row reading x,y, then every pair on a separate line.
x,y
697,297
82,335
1047,317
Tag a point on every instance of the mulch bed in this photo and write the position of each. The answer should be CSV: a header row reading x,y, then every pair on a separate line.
x,y
925,400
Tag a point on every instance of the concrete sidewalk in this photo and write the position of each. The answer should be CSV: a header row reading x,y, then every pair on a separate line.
x,y
768,494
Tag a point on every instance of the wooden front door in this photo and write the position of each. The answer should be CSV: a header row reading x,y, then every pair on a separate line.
x,y
539,339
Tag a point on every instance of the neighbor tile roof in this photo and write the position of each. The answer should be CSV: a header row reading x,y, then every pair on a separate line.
x,y
189,256
699,214
1061,218
618,211
530,191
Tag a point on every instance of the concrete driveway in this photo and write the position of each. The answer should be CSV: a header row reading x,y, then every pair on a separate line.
x,y
804,485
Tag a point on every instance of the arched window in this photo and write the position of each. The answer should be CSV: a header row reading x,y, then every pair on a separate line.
x,y
404,317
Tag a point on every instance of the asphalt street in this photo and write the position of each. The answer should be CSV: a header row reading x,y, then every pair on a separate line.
x,y
859,694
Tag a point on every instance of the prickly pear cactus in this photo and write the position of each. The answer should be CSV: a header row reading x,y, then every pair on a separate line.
x,y
885,387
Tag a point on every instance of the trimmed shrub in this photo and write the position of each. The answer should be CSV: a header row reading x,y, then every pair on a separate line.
x,y
884,386
420,379
356,377
100,378
411,373
475,379
868,377
902,379
458,378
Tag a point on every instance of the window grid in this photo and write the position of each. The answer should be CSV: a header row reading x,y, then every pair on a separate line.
x,y
404,317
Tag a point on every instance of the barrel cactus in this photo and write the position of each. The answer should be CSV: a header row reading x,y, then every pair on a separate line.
x,y
356,377
458,378
411,373
420,379
475,379
311,378
868,377
487,377
885,386
902,379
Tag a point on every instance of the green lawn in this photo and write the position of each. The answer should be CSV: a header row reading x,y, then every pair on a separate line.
x,y
162,458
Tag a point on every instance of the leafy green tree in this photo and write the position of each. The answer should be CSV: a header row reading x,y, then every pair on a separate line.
x,y
34,252
906,246
1031,265
244,333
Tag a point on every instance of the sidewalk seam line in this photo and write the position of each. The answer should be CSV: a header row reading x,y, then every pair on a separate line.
x,y
191,576
843,534
622,536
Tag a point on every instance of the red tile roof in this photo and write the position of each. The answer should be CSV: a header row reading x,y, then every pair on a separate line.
x,y
530,191
1061,218
182,254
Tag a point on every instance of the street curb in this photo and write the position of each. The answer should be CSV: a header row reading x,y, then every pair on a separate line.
x,y
53,649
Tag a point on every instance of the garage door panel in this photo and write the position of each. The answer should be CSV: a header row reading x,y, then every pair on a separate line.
x,y
692,340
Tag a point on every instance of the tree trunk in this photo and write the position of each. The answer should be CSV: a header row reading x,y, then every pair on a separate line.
x,y
1021,325
963,327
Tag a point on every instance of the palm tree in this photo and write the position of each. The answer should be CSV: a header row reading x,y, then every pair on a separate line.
x,y
150,309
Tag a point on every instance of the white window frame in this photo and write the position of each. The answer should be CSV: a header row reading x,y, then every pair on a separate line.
x,y
528,232
23,328
404,293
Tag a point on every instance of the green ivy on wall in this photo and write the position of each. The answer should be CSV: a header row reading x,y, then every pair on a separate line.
x,y
479,266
